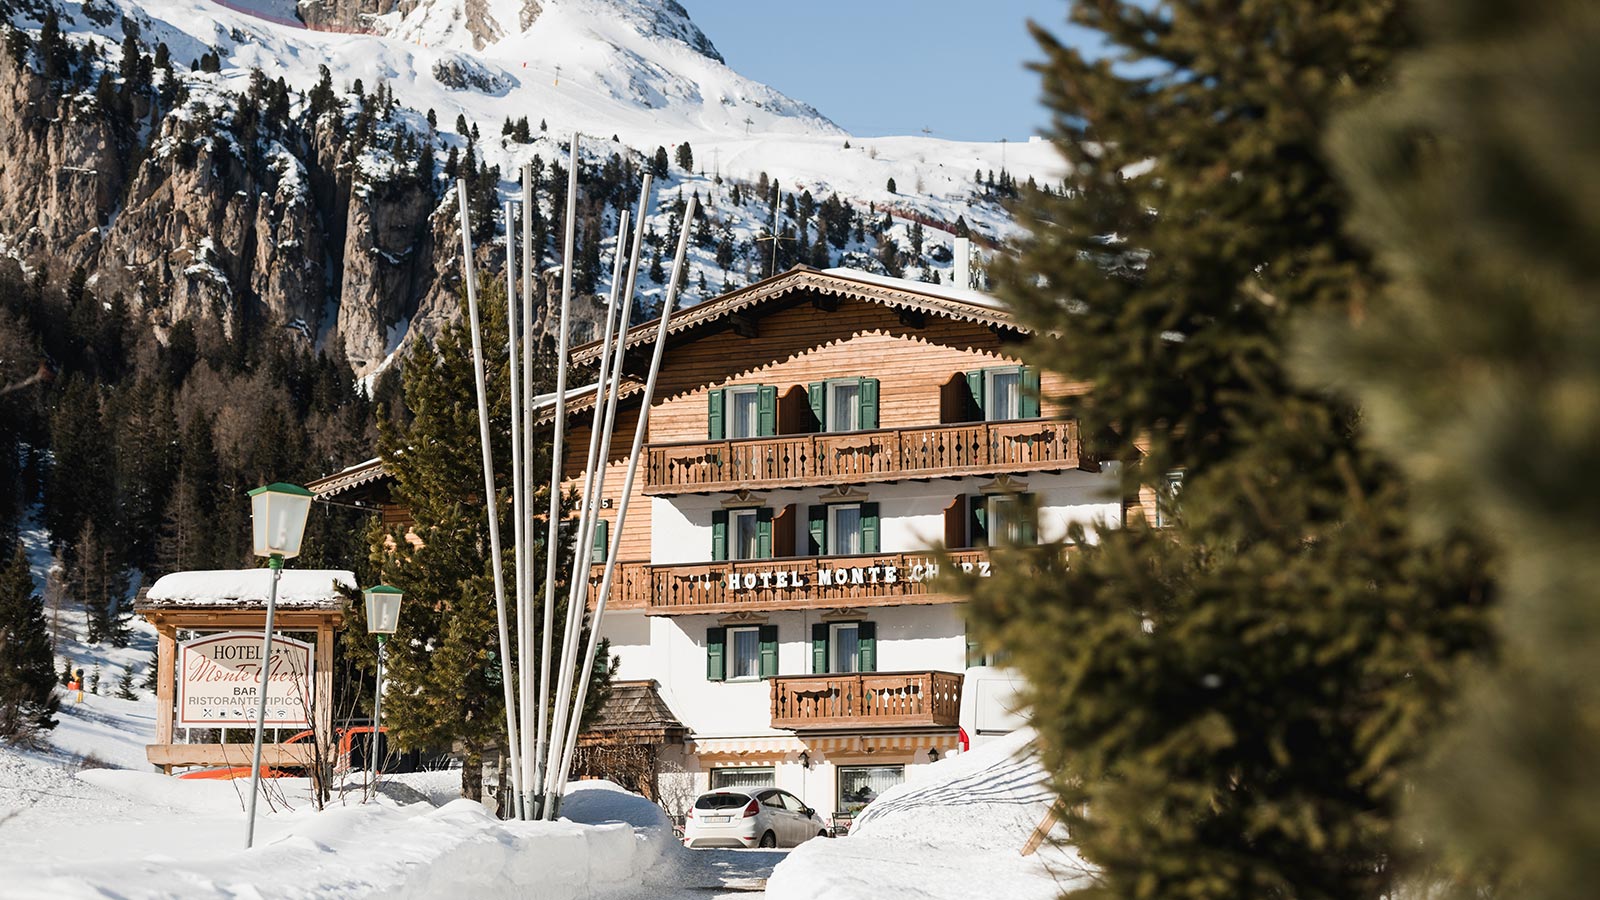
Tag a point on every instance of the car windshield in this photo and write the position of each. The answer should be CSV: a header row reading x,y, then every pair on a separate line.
x,y
721,800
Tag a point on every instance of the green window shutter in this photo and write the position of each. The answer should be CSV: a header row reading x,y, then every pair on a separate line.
x,y
766,410
716,640
818,521
1028,528
598,553
819,648
867,646
1028,377
715,415
817,395
719,534
975,389
764,533
977,521
974,652
769,651
869,528
867,396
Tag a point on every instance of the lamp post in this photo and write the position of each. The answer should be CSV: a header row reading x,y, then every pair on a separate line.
x,y
278,522
383,616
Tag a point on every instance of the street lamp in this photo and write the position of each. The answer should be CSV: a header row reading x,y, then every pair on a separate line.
x,y
383,617
278,522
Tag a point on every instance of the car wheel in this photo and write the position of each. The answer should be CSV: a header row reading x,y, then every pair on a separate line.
x,y
769,840
822,833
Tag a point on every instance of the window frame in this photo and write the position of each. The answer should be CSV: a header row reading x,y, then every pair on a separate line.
x,y
736,518
834,647
719,771
834,532
731,396
731,654
991,377
833,407
851,806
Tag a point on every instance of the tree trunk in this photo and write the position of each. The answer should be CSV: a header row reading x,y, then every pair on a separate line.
x,y
472,775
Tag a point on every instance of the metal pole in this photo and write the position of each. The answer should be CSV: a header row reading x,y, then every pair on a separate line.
x,y
377,712
627,493
517,500
488,489
607,394
276,564
526,666
552,534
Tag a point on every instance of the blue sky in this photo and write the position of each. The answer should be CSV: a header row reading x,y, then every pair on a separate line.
x,y
881,67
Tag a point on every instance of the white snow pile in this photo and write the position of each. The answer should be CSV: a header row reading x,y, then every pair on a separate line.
x,y
956,832
227,587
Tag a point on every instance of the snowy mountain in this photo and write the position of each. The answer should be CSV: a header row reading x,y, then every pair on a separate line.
x,y
189,153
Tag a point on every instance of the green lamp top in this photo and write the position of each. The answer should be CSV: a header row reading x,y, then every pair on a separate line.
x,y
282,487
383,589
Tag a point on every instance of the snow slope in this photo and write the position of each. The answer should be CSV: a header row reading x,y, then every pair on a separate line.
x,y
954,832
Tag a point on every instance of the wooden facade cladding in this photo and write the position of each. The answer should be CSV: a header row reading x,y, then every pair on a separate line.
x,y
867,700
808,582
855,457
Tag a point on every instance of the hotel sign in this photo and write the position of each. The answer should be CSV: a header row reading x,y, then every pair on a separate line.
x,y
824,575
219,679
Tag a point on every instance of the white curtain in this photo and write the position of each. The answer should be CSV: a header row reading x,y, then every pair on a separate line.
x,y
846,530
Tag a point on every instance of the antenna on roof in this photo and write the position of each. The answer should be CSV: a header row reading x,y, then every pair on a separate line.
x,y
773,237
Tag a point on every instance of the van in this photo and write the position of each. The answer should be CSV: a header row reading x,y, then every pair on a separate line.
x,y
990,705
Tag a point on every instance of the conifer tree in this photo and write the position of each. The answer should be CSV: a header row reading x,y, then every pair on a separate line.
x,y
1470,181
443,668
685,157
658,163
27,668
1227,704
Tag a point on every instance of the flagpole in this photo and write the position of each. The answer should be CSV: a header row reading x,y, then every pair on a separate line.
x,y
490,500
526,665
518,501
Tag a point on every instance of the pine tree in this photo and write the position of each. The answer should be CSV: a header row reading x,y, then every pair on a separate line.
x,y
658,163
1469,181
27,669
445,676
685,157
125,685
96,578
890,187
1228,704
94,680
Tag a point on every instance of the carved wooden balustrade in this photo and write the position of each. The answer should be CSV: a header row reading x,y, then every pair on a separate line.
x,y
852,457
866,700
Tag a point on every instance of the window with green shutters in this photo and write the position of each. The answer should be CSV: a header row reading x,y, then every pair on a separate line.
x,y
1001,518
841,647
741,534
741,653
843,529
1004,392
844,404
597,553
742,411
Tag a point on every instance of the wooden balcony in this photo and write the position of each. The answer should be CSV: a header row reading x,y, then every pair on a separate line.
x,y
854,457
867,700
806,582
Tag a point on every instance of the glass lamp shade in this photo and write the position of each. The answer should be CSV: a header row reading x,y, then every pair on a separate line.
x,y
278,519
383,608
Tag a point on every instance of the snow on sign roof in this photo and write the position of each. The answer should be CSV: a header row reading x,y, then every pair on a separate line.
x,y
303,588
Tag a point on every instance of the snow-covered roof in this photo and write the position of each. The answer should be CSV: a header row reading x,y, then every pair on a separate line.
x,y
917,296
347,478
300,588
544,401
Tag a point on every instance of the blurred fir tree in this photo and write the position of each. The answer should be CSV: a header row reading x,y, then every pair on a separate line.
x,y
1227,703
27,668
1480,364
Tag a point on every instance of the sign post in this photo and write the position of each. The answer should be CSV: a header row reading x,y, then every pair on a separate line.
x,y
219,681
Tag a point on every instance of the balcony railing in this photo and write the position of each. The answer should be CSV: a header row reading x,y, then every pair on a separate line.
x,y
806,582
867,700
852,457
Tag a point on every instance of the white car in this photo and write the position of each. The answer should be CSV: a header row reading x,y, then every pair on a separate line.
x,y
989,705
757,817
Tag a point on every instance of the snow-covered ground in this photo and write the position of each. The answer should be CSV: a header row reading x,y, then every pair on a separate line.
x,y
956,832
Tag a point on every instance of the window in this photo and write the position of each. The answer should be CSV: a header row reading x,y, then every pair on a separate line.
x,y
844,529
844,646
860,785
741,533
744,658
1005,394
744,413
844,406
746,535
741,779
1001,519
741,653
792,802
1167,499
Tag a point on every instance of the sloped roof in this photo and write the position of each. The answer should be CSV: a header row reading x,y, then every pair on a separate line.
x,y
635,706
345,479
248,588
953,303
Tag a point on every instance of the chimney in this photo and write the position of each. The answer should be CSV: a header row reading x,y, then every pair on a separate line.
x,y
963,253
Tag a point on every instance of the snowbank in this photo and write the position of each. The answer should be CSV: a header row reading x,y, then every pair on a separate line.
x,y
956,832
